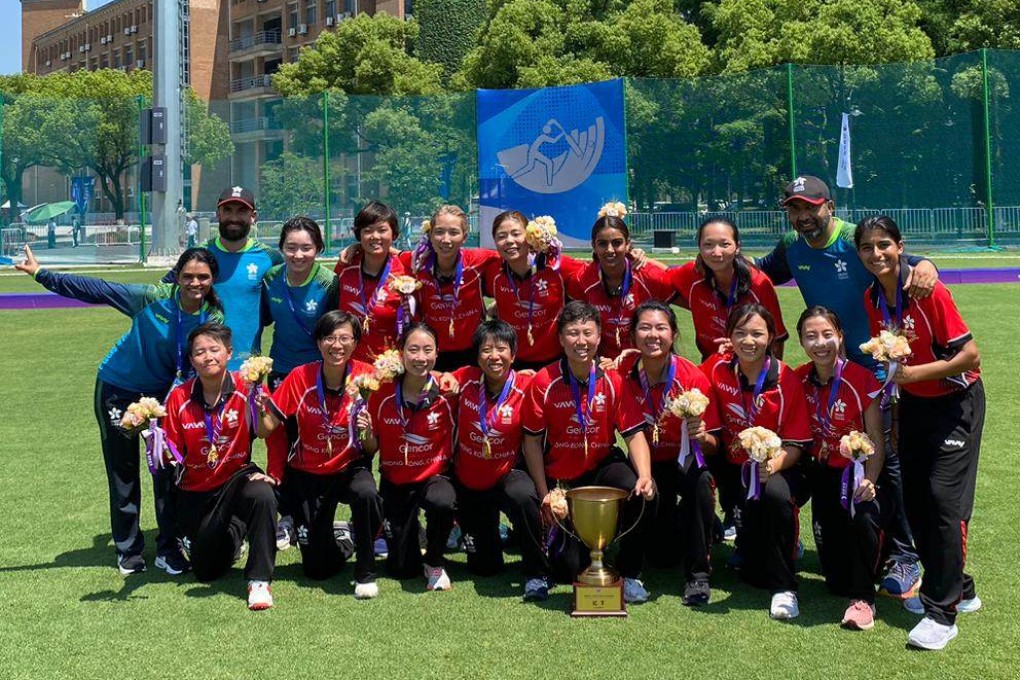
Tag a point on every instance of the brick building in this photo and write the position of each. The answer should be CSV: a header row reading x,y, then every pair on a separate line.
x,y
233,47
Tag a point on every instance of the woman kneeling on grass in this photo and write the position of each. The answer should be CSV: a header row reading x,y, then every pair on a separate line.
x,y
148,360
941,416
326,466
223,498
754,389
411,425
846,513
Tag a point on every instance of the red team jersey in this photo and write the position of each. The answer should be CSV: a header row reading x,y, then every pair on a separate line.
x,y
537,299
361,294
298,396
780,406
687,376
437,302
476,466
845,413
648,283
185,426
418,446
935,330
550,409
710,307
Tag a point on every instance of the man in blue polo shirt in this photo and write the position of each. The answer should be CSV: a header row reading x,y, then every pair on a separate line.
x,y
819,254
243,262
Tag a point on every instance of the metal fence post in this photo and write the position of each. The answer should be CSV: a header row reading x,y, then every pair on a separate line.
x,y
141,194
988,148
789,116
325,162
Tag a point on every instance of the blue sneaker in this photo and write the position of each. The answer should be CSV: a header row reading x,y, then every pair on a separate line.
x,y
504,533
453,541
634,591
901,581
729,533
536,590
381,549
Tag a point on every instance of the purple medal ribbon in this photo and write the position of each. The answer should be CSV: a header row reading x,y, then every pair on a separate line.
x,y
749,478
383,276
628,279
458,279
290,303
824,416
893,322
531,292
749,471
181,341
853,475
583,407
211,433
400,408
320,389
156,444
483,403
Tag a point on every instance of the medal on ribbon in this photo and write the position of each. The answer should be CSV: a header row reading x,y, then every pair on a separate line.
x,y
583,407
484,415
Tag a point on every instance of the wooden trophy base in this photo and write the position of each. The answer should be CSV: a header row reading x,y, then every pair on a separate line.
x,y
604,600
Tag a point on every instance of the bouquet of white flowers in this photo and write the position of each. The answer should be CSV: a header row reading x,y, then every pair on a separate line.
x,y
689,404
761,445
857,447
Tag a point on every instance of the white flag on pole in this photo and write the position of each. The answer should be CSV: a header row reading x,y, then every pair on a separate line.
x,y
844,172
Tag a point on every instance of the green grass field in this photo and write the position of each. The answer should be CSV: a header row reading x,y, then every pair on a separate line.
x,y
66,613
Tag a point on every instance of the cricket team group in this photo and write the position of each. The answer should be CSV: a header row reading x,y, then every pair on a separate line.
x,y
476,383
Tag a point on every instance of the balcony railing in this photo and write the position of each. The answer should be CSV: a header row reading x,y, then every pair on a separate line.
x,y
250,83
253,124
271,38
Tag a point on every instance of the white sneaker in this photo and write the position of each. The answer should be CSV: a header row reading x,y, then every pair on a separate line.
x,y
366,591
968,606
260,595
784,606
285,534
438,579
930,634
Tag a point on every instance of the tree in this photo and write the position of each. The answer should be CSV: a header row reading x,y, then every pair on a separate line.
x,y
364,55
291,185
448,30
24,145
208,135
535,43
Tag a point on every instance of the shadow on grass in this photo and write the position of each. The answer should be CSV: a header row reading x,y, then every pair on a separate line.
x,y
99,554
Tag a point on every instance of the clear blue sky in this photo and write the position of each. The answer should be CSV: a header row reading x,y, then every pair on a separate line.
x,y
10,33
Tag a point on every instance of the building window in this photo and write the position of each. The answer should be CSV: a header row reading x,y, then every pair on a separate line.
x,y
330,8
116,59
293,53
129,55
311,12
142,52
104,60
292,15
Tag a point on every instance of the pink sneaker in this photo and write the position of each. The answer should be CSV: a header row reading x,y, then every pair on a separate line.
x,y
859,616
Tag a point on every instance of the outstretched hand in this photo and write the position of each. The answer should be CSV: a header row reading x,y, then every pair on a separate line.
x,y
31,265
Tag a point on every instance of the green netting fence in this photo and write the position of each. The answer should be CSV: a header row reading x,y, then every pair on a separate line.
x,y
935,144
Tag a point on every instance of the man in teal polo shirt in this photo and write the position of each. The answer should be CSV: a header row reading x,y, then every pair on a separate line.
x,y
819,254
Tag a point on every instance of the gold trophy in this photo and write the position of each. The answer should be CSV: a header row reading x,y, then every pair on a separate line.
x,y
595,513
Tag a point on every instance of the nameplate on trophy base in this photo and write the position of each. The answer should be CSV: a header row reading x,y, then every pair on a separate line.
x,y
599,600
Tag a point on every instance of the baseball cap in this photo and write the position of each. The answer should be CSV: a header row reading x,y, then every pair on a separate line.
x,y
808,189
237,194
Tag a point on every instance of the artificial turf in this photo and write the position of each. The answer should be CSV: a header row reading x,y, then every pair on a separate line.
x,y
65,612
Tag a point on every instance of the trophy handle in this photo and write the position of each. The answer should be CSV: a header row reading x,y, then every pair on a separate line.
x,y
566,530
633,526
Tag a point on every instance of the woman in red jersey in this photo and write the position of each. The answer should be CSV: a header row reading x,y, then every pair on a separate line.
x,y
411,425
614,285
941,418
326,465
365,282
755,389
719,280
680,531
845,511
223,498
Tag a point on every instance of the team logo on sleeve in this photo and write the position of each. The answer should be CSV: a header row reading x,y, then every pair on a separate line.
x,y
253,271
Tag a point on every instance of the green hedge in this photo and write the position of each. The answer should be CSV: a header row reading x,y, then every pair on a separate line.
x,y
448,30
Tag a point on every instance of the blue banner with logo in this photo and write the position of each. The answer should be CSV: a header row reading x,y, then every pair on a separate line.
x,y
558,151
81,192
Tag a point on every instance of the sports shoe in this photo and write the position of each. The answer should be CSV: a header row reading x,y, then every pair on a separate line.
x,y
260,595
729,532
634,591
173,563
929,634
859,616
343,537
902,580
130,564
735,561
380,548
438,580
968,606
286,536
453,541
366,591
914,606
536,590
784,606
696,594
